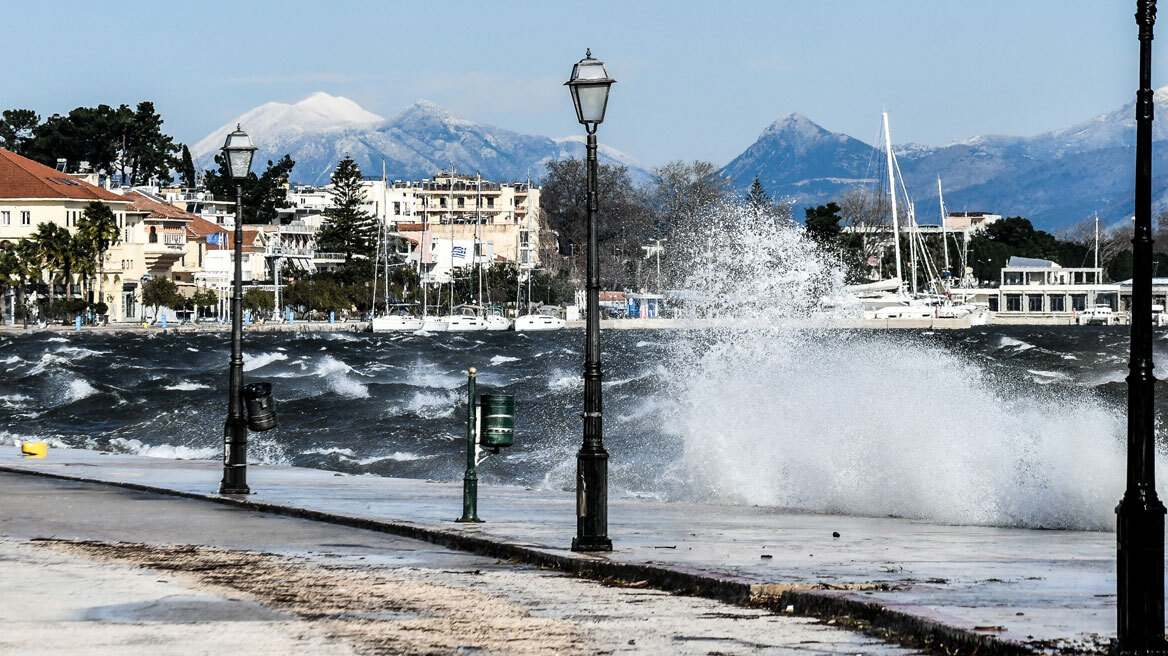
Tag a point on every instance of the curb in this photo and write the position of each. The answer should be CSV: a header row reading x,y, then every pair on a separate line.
x,y
854,612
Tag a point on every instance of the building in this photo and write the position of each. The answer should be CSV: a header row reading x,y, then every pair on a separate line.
x,y
152,244
32,193
1032,288
972,221
454,214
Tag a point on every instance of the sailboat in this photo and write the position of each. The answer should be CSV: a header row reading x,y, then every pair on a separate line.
x,y
545,317
392,317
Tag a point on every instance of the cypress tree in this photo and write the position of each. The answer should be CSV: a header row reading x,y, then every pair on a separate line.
x,y
349,228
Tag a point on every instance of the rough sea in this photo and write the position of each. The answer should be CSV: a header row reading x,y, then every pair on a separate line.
x,y
1015,426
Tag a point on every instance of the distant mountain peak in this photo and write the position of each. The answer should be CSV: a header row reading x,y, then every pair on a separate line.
x,y
796,124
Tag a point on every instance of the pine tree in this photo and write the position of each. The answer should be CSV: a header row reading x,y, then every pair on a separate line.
x,y
349,229
187,170
758,197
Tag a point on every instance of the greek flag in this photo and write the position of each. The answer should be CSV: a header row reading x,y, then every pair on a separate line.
x,y
460,252
216,239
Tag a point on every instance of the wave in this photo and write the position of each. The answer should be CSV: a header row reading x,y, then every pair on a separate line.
x,y
336,374
170,451
79,389
260,360
186,386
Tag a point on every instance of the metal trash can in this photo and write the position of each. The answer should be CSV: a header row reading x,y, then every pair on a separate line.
x,y
261,409
497,423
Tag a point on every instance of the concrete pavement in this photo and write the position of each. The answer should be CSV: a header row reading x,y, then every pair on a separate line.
x,y
94,569
991,589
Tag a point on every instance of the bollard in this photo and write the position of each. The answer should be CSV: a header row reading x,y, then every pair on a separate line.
x,y
291,317
247,318
77,323
470,481
164,321
332,317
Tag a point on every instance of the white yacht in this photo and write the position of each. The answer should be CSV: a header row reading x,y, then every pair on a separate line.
x,y
547,317
397,317
496,320
464,318
1098,315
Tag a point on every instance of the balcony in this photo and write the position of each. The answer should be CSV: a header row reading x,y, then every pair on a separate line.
x,y
329,258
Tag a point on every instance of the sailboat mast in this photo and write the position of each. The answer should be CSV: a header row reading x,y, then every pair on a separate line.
x,y
450,218
944,230
892,196
478,224
1097,240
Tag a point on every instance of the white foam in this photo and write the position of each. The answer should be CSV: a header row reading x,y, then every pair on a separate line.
x,y
170,451
336,374
186,386
867,423
397,456
348,453
260,360
500,359
79,388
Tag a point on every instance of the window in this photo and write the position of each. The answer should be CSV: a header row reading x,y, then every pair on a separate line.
x,y
397,208
1058,303
462,202
25,218
153,235
1078,302
1034,303
490,201
442,202
993,304
1013,302
5,218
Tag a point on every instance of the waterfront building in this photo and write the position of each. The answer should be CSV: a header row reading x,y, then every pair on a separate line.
x,y
1036,289
152,244
32,193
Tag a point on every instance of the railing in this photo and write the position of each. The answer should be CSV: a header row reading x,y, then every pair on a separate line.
x,y
329,257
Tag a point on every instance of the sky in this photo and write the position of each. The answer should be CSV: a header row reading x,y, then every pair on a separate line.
x,y
695,80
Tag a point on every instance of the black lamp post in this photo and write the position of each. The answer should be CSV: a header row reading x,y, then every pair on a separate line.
x,y
589,86
1140,534
238,150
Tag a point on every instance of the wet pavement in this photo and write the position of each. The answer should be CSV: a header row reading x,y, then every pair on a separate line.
x,y
1030,586
94,569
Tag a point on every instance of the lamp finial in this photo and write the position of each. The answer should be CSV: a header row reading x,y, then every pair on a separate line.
x,y
588,53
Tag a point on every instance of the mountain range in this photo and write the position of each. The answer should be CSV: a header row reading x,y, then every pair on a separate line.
x,y
1056,179
422,140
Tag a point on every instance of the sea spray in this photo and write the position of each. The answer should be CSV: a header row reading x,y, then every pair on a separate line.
x,y
872,423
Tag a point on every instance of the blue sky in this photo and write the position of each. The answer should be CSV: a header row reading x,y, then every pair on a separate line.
x,y
696,80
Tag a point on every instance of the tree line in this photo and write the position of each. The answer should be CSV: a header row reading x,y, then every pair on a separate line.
x,y
53,252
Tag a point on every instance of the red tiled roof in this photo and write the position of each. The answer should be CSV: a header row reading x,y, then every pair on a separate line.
x,y
21,177
155,209
200,227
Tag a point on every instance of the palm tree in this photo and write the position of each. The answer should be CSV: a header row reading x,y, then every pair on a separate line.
x,y
56,247
100,227
85,262
29,263
8,276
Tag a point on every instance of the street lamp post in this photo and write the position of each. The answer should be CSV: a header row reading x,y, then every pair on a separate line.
x,y
589,85
238,150
1140,534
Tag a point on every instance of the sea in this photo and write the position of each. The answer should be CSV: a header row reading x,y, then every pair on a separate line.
x,y
1000,426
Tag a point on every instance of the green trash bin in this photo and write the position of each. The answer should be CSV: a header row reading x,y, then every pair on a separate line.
x,y
497,421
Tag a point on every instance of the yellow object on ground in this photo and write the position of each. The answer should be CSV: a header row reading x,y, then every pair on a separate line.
x,y
34,449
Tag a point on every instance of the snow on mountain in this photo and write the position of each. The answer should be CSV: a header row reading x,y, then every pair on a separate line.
x,y
417,143
1056,178
273,123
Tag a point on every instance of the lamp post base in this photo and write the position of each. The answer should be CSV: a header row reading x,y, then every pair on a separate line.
x,y
591,544
234,490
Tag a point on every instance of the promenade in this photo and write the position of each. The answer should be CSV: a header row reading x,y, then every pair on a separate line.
x,y
961,589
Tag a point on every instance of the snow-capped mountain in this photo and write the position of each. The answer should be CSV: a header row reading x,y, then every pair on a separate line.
x,y
417,143
1055,179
